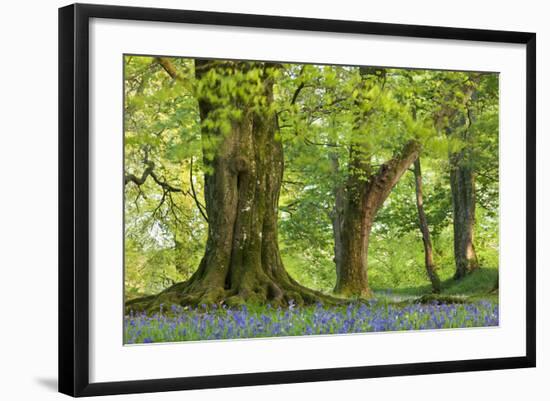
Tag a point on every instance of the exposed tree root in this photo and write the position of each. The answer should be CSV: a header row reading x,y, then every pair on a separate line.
x,y
197,293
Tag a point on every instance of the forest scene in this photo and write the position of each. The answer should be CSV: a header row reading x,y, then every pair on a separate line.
x,y
268,199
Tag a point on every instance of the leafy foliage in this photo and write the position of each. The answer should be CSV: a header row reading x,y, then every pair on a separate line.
x,y
317,109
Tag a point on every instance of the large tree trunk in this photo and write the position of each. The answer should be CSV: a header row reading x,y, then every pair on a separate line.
x,y
365,194
423,224
244,169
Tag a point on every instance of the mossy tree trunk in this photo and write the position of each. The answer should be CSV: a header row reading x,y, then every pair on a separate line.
x,y
456,119
462,180
463,195
365,194
244,168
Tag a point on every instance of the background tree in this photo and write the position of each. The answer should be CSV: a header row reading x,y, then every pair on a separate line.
x,y
424,229
462,104
367,140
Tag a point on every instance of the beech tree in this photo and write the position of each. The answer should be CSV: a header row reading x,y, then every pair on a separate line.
x,y
366,187
457,117
244,164
365,105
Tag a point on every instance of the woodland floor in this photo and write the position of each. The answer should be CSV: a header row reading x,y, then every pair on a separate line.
x,y
466,303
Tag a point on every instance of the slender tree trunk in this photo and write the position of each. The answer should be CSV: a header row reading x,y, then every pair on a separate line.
x,y
337,216
457,123
423,224
365,194
244,169
463,195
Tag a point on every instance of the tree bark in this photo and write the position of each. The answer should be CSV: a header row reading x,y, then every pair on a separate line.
x,y
423,224
243,177
463,195
337,216
457,122
462,180
365,194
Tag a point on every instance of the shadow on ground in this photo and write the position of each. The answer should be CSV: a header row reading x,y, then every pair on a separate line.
x,y
49,383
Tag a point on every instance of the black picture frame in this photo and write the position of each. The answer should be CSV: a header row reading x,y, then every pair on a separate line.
x,y
74,198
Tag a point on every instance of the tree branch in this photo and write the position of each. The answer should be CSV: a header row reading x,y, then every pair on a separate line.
x,y
139,181
201,208
149,172
167,187
297,92
169,67
390,172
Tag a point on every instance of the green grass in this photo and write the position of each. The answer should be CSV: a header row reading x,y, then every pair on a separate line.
x,y
476,286
481,281
403,282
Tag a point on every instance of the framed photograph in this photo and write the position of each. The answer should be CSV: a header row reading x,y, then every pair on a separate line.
x,y
251,199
